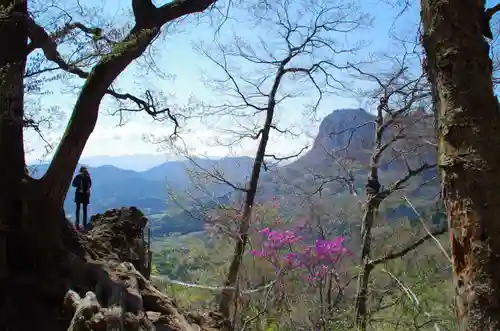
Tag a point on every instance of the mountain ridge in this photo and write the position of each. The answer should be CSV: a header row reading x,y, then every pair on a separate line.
x,y
151,190
148,190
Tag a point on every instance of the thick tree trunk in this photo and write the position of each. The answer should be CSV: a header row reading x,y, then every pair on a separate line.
x,y
26,242
12,63
148,22
85,113
469,153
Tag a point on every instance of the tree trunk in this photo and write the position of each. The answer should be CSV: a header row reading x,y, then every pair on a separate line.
x,y
373,202
234,269
361,308
458,64
12,63
149,20
24,248
239,250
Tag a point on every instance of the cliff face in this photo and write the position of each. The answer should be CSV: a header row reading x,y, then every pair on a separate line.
x,y
351,133
345,141
346,127
99,283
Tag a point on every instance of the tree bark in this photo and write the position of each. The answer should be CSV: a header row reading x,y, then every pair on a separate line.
x,y
459,66
22,246
12,165
149,20
361,307
234,269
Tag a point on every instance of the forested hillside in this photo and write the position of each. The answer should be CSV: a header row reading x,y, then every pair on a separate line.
x,y
173,195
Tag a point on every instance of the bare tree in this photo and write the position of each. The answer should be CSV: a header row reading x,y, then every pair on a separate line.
x,y
30,209
460,70
403,137
299,55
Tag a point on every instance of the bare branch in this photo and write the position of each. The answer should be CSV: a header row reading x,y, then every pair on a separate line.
x,y
274,157
41,39
427,230
409,248
399,184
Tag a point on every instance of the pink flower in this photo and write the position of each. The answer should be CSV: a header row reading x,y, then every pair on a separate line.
x,y
286,248
264,230
257,253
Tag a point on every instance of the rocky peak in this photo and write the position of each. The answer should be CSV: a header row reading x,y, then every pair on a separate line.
x,y
345,127
350,133
348,130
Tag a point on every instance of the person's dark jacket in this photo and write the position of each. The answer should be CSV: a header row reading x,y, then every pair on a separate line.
x,y
82,183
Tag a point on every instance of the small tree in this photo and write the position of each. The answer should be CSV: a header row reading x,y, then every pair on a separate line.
x,y
300,53
403,137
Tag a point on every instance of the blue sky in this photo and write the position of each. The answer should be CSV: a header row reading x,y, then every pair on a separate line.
x,y
184,86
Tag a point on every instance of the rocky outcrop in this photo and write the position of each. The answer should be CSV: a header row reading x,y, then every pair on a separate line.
x,y
346,127
101,283
352,133
119,235
123,298
345,141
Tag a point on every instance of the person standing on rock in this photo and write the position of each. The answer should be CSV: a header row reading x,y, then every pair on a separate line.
x,y
82,182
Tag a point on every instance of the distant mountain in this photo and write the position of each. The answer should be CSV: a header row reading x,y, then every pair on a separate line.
x,y
350,134
136,162
232,169
151,190
344,141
